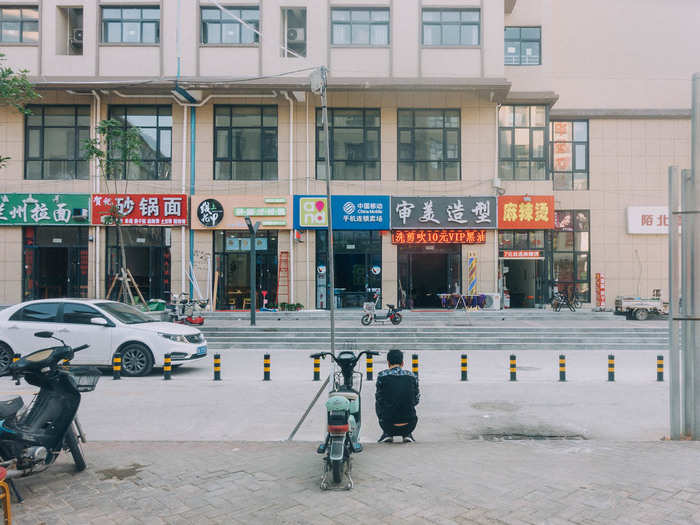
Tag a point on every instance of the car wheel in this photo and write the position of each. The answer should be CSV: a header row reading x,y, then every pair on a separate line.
x,y
641,314
5,357
136,360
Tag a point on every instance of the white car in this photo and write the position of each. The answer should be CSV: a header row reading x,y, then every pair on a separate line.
x,y
107,326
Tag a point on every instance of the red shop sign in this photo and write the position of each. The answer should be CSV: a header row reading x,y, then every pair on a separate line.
x,y
526,212
522,254
140,209
438,236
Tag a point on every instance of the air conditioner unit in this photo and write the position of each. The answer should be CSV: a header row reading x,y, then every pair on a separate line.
x,y
493,301
80,214
296,35
76,37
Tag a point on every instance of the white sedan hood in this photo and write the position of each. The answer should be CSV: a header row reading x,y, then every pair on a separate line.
x,y
168,328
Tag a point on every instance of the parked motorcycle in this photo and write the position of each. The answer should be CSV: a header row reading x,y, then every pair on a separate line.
x,y
32,437
344,418
559,299
370,313
184,310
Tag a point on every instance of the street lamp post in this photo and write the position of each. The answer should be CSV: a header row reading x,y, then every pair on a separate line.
x,y
253,229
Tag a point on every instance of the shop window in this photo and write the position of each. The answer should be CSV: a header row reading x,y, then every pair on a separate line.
x,y
19,25
569,154
131,25
294,32
521,240
571,253
360,27
155,127
245,145
451,27
53,139
235,26
523,46
521,140
354,144
429,144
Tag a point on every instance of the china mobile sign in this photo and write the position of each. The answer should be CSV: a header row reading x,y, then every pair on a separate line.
x,y
140,209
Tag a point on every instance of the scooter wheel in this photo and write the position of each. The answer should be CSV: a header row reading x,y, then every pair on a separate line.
x,y
396,319
337,466
73,446
366,320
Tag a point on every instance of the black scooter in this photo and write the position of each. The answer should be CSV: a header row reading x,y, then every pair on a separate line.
x,y
32,437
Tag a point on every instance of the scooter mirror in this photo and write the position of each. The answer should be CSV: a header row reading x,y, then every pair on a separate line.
x,y
44,335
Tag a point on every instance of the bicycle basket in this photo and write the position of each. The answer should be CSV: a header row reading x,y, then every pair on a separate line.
x,y
85,377
369,307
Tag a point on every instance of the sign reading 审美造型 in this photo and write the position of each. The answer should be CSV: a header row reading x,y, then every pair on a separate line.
x,y
443,212
349,212
37,209
526,212
647,220
438,236
140,209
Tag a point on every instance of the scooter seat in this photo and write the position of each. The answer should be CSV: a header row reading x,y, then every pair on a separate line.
x,y
9,407
390,306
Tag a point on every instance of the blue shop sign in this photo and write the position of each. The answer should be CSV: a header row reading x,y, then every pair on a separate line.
x,y
360,212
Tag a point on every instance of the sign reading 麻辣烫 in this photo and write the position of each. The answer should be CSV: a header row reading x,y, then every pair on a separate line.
x,y
48,209
526,212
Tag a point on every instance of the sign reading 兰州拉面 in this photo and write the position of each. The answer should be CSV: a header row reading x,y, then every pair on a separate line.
x,y
443,212
35,209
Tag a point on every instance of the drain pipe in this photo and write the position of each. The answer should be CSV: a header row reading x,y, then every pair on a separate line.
x,y
183,187
308,277
96,186
193,129
291,194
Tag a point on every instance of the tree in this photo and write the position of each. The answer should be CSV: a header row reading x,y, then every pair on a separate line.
x,y
15,90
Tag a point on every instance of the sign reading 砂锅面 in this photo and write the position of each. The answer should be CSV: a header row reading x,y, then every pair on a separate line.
x,y
139,209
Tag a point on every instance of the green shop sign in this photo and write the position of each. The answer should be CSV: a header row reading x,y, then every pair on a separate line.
x,y
33,209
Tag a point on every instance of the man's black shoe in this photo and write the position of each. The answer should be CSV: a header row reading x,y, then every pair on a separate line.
x,y
356,447
386,438
409,439
321,448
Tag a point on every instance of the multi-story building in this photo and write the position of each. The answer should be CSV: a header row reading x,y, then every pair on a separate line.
x,y
518,144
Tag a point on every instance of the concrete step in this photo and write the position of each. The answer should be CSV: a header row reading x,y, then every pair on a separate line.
x,y
420,346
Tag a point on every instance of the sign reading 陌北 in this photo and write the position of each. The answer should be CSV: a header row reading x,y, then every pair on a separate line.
x,y
526,212
37,209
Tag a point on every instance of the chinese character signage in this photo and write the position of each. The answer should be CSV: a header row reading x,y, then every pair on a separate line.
x,y
526,212
522,254
443,212
210,212
35,209
647,220
350,212
228,212
438,236
140,209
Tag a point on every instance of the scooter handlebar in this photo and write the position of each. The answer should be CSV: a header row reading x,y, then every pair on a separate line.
x,y
79,348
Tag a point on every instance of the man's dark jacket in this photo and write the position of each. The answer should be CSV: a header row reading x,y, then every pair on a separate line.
x,y
397,395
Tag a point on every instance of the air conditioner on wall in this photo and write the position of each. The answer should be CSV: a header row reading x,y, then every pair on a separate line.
x,y
77,37
295,35
493,301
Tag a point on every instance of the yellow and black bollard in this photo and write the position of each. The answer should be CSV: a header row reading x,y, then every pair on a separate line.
x,y
266,367
15,358
117,366
370,367
217,367
513,368
611,367
464,366
562,367
659,368
167,367
414,364
317,368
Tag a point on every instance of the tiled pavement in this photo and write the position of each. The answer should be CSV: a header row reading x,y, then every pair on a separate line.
x,y
515,482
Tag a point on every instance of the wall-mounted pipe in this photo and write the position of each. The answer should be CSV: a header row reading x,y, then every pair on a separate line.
x,y
291,194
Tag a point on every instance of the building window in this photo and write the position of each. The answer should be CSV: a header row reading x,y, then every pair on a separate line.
x,y
155,126
360,27
522,46
429,144
131,25
569,155
293,32
245,143
53,142
521,240
354,144
19,24
222,28
521,140
572,253
451,27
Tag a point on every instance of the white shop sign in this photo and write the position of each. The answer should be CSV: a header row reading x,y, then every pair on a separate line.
x,y
647,220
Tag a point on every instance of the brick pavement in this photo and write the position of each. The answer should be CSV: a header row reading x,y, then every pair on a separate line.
x,y
513,482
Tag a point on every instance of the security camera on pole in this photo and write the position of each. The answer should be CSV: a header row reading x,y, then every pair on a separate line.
x,y
253,229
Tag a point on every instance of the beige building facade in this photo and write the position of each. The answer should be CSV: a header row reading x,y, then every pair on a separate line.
x,y
430,101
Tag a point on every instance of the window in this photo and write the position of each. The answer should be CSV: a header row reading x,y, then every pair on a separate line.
x,y
354,144
522,46
131,25
360,27
19,25
293,32
569,155
245,143
38,312
53,139
522,136
76,313
572,253
521,240
429,144
154,124
451,27
220,28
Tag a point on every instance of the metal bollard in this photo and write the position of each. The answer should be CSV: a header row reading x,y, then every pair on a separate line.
x,y
266,367
15,358
117,366
167,367
317,368
414,364
464,367
370,368
513,368
217,367
611,367
562,367
659,368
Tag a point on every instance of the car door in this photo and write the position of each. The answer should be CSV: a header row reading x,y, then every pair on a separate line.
x,y
25,322
76,329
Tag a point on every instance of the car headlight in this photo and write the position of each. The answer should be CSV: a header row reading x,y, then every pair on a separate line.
x,y
173,337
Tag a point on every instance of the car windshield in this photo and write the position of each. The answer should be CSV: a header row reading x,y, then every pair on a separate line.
x,y
125,313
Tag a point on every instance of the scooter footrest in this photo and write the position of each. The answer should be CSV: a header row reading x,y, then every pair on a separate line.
x,y
321,448
357,447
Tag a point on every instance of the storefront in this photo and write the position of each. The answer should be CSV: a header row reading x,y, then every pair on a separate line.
x,y
430,233
358,223
146,236
230,242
